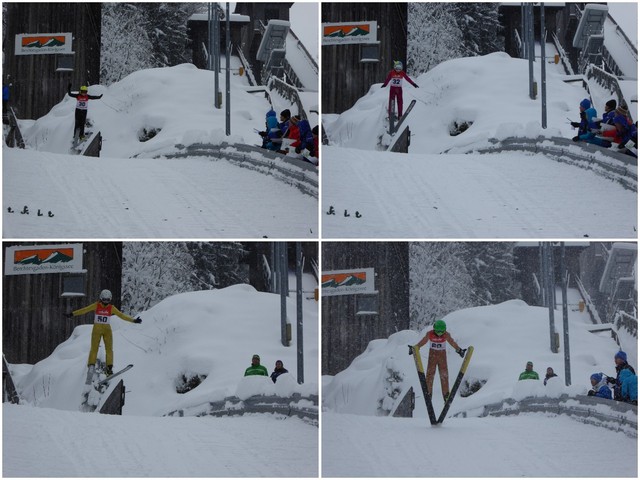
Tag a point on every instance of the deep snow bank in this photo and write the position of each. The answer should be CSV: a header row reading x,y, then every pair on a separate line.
x,y
491,92
504,336
150,111
210,334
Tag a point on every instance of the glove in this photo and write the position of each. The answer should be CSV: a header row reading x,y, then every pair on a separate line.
x,y
576,138
461,352
575,124
137,320
68,315
591,393
382,86
417,86
298,149
410,349
612,380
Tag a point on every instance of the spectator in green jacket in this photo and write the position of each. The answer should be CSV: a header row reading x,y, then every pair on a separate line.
x,y
256,368
529,373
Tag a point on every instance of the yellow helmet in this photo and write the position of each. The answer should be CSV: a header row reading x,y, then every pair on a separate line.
x,y
83,88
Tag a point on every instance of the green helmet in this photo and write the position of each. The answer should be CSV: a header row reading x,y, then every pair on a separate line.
x,y
439,327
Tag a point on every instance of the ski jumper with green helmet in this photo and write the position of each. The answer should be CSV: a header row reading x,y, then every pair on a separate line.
x,y
396,78
82,106
103,310
438,337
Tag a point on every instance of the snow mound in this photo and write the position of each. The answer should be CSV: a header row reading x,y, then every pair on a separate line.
x,y
489,93
152,110
209,336
504,337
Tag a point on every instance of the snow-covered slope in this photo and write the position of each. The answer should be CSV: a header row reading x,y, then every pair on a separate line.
x,y
175,102
358,441
146,115
504,336
209,333
491,91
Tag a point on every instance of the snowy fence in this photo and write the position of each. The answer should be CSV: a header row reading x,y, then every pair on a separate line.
x,y
289,92
305,408
604,162
292,171
610,414
607,81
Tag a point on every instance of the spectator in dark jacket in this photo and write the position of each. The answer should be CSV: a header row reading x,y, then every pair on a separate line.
x,y
549,375
599,387
279,370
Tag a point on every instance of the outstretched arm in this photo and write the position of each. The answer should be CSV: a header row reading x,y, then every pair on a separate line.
x,y
387,80
84,310
406,77
95,97
123,316
452,342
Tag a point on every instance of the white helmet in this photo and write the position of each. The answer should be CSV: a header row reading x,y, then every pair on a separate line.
x,y
105,296
397,65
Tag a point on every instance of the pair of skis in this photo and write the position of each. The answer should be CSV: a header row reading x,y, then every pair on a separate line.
x,y
423,384
90,398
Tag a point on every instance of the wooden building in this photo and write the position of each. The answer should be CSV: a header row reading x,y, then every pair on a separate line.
x,y
350,322
35,84
345,77
33,307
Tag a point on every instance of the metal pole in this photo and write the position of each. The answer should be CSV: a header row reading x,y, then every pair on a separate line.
x,y
523,30
283,293
216,49
543,274
299,337
550,288
543,67
565,319
209,36
228,79
530,48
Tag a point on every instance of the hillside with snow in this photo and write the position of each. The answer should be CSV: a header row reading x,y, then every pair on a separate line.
x,y
209,335
443,188
505,337
147,116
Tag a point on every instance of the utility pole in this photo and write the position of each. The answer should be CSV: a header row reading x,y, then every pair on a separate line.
x,y
565,318
551,297
543,66
216,54
283,268
299,333
228,78
531,49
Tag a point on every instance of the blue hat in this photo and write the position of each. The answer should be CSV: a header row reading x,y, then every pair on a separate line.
x,y
271,113
597,377
586,103
621,355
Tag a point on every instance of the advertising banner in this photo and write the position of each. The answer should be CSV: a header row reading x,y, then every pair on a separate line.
x,y
36,259
43,43
348,282
349,33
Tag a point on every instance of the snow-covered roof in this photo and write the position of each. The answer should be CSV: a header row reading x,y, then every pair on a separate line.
x,y
234,17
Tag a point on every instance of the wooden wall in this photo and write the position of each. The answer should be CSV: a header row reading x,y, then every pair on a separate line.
x,y
346,335
344,78
36,86
33,321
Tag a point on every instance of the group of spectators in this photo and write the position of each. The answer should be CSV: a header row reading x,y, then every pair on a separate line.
x,y
623,387
291,133
257,369
615,126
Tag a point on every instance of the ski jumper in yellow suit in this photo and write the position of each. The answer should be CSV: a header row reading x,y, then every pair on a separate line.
x,y
101,328
438,358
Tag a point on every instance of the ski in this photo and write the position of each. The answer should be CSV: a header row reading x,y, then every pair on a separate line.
x,y
106,381
396,127
456,384
423,383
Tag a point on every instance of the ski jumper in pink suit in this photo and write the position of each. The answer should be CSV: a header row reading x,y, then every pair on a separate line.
x,y
438,358
395,91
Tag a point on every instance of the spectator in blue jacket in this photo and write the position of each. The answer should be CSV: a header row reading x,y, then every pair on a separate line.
x,y
621,364
628,387
599,387
272,133
586,123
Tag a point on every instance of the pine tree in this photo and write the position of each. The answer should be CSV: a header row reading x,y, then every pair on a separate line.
x,y
491,266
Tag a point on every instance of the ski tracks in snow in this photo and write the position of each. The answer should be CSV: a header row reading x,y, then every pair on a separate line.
x,y
512,195
148,198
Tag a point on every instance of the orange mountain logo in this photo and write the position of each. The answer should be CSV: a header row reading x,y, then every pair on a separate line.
x,y
44,255
41,41
336,280
342,31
